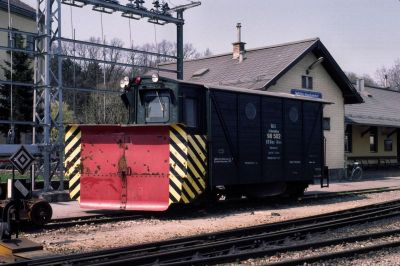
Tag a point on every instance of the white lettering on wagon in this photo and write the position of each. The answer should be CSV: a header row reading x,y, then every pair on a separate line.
x,y
223,160
273,141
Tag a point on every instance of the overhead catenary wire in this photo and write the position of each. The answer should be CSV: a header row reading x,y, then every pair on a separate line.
x,y
73,65
131,41
130,34
11,132
156,46
104,67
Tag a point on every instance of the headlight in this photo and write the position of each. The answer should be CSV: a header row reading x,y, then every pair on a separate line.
x,y
124,82
154,77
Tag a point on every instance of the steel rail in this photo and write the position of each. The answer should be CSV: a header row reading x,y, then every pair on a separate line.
x,y
338,254
185,247
266,250
187,255
95,219
328,195
104,218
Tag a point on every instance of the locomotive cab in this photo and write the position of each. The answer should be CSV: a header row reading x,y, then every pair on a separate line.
x,y
151,100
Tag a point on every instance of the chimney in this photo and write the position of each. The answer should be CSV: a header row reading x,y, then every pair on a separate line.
x,y
360,85
386,81
238,47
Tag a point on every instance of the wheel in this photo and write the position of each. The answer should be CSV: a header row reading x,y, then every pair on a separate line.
x,y
357,173
40,213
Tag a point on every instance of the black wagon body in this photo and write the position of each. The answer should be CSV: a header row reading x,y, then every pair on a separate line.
x,y
264,142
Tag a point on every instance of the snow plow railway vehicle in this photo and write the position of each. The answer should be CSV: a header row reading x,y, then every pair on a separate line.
x,y
185,142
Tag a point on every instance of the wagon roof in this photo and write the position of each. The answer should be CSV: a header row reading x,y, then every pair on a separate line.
x,y
266,93
211,86
262,67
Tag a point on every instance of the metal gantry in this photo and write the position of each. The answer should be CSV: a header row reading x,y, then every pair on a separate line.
x,y
48,84
44,93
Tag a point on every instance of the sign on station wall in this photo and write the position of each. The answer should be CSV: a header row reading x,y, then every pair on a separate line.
x,y
306,93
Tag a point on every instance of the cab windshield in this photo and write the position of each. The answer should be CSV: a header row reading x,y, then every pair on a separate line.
x,y
157,106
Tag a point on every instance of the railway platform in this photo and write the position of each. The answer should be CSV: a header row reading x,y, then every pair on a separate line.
x,y
347,185
68,209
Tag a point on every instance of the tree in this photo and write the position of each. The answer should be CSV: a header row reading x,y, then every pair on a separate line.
x,y
22,100
207,52
99,107
68,117
368,80
71,72
390,77
189,52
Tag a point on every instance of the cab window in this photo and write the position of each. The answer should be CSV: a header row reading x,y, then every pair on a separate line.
x,y
190,114
157,107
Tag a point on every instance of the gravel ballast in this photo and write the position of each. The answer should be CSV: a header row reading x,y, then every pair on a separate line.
x,y
94,237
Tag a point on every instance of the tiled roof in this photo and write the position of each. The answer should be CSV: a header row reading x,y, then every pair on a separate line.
x,y
380,108
262,67
259,66
264,64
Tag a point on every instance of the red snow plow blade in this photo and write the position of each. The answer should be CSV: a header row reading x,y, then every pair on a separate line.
x,y
124,167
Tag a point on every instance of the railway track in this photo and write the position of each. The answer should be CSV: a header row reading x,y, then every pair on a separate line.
x,y
329,195
233,244
98,219
126,216
338,254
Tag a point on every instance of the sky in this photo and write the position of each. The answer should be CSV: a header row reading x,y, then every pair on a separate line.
x,y
362,35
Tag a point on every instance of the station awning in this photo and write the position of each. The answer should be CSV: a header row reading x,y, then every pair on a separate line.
x,y
372,121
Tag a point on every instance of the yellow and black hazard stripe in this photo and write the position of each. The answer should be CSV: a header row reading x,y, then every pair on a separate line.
x,y
197,164
177,163
188,165
72,161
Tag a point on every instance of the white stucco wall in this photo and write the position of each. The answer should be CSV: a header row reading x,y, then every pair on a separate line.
x,y
18,22
323,83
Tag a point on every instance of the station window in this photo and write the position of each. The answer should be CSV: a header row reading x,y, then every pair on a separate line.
x,y
157,107
16,40
326,123
190,114
348,139
373,140
388,145
307,82
30,43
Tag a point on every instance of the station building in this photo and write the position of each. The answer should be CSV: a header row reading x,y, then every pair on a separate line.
x,y
372,135
304,67
23,18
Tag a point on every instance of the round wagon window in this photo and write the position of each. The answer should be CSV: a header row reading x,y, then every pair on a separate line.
x,y
294,114
250,111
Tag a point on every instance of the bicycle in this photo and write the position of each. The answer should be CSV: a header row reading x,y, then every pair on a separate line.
x,y
355,173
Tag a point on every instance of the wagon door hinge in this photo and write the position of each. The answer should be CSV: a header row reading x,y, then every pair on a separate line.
x,y
123,191
123,172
